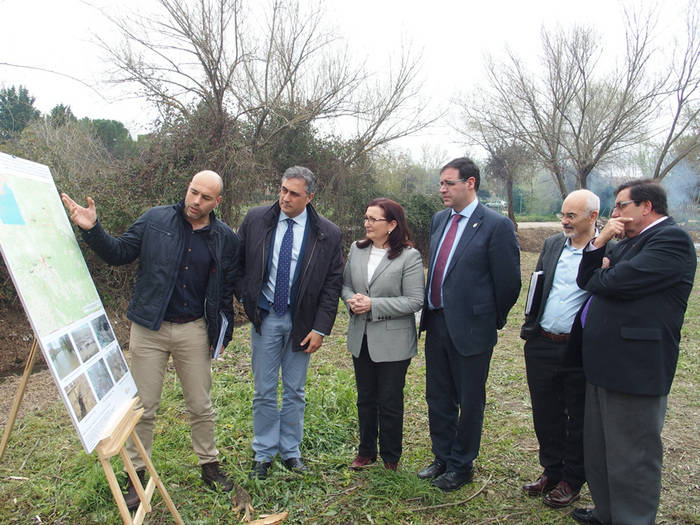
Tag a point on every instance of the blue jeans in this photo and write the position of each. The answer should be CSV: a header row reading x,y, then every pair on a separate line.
x,y
277,431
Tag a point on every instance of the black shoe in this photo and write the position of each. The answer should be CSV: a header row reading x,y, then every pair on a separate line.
x,y
452,480
213,476
131,497
259,469
432,471
584,516
295,465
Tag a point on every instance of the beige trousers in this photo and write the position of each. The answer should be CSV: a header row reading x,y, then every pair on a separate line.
x,y
150,351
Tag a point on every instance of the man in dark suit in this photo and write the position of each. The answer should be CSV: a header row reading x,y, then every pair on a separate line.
x,y
631,327
292,270
473,281
557,389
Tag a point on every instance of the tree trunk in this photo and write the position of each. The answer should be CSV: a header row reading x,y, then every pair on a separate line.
x,y
582,177
558,177
509,193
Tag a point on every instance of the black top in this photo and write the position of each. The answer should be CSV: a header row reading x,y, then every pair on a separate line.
x,y
157,240
187,302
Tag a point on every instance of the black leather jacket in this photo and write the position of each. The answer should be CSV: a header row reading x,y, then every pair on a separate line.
x,y
321,278
157,240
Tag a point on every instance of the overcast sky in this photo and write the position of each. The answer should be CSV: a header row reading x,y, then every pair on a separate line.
x,y
453,35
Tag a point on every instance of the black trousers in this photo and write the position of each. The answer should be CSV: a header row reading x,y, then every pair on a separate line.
x,y
455,389
558,395
380,404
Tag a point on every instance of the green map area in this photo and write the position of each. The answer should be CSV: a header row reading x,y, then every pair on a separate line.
x,y
40,249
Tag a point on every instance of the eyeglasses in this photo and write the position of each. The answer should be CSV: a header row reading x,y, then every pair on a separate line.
x,y
569,216
371,220
621,205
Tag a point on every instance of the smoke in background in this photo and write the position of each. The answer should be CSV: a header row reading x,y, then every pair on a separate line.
x,y
683,188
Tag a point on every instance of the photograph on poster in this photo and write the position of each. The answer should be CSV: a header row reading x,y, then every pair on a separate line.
x,y
63,356
103,331
84,342
100,379
80,396
116,363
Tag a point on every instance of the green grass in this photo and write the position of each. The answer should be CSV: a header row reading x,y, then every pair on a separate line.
x,y
46,473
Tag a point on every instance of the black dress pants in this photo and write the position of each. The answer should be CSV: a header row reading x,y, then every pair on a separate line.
x,y
380,404
455,390
558,394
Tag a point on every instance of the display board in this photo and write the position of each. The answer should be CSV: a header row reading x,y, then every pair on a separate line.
x,y
60,299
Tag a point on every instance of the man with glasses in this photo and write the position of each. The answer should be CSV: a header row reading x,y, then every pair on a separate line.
x,y
556,388
628,333
473,281
292,270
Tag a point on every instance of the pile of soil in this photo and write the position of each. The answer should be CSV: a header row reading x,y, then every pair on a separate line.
x,y
531,239
16,337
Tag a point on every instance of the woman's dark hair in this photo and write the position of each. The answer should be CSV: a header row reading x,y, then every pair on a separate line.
x,y
400,237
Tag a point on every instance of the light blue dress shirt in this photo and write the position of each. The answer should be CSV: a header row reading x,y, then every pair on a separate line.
x,y
298,229
565,297
461,225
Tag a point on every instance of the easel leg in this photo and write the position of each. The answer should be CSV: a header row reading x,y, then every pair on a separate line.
x,y
129,467
18,398
112,445
156,479
116,491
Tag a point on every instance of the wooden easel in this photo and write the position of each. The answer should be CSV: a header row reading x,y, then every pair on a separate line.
x,y
18,398
112,445
109,447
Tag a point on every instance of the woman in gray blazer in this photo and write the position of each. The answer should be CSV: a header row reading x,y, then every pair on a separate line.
x,y
382,288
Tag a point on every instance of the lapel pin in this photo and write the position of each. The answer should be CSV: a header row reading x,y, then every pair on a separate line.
x,y
475,225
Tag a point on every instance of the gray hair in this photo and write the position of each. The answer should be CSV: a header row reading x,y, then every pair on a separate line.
x,y
300,172
592,200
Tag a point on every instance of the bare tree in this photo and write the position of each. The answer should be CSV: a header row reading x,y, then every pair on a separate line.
x,y
683,135
609,113
295,75
508,158
391,108
187,55
530,109
260,80
574,115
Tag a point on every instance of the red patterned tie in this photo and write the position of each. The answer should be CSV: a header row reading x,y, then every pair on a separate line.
x,y
441,262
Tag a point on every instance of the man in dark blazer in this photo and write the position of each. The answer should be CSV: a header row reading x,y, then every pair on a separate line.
x,y
473,281
557,388
292,269
631,328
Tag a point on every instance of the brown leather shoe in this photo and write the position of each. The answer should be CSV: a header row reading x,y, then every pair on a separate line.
x,y
391,466
560,496
543,485
361,462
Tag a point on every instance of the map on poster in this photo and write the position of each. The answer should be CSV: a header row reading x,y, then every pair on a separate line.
x,y
60,299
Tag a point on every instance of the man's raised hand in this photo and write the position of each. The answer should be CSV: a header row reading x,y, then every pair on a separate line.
x,y
80,216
